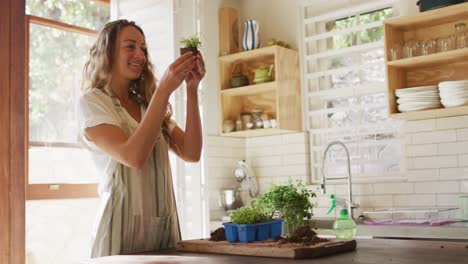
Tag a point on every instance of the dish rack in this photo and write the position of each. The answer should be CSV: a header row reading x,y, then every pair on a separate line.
x,y
411,216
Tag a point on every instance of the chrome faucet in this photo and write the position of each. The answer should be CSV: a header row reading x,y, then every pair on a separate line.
x,y
324,179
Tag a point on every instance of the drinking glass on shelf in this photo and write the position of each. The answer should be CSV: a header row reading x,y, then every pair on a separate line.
x,y
411,49
445,44
396,52
427,46
460,35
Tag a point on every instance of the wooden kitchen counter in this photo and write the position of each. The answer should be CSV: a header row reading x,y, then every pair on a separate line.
x,y
369,251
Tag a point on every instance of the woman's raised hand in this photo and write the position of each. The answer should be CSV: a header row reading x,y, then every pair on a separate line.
x,y
196,74
177,72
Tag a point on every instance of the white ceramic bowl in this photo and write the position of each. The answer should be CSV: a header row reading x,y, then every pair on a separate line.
x,y
454,102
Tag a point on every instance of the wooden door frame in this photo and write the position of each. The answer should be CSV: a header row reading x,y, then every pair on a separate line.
x,y
13,128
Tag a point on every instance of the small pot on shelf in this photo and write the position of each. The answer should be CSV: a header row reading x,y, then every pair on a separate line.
x,y
238,79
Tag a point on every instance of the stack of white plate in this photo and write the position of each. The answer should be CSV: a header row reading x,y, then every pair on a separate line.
x,y
454,93
417,98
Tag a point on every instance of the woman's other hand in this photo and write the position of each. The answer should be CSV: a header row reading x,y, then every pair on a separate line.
x,y
196,74
177,72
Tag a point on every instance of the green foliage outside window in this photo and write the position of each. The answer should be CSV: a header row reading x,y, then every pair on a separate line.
x,y
56,60
354,38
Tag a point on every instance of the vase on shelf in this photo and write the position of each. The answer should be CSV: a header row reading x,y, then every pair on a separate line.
x,y
250,40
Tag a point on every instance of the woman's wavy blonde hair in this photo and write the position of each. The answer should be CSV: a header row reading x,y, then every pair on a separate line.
x,y
97,70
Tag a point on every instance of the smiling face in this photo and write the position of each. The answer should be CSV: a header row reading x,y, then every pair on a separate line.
x,y
130,54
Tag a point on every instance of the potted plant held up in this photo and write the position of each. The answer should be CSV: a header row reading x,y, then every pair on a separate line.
x,y
190,44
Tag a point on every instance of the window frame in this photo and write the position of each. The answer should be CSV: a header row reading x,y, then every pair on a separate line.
x,y
53,190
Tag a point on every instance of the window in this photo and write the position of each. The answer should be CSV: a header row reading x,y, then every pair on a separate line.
x,y
345,90
60,33
59,36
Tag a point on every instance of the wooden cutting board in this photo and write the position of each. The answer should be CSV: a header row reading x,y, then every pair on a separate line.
x,y
268,248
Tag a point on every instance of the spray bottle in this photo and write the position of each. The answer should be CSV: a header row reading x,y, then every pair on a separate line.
x,y
344,226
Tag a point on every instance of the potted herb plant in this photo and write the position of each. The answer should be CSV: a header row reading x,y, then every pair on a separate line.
x,y
248,224
290,201
192,44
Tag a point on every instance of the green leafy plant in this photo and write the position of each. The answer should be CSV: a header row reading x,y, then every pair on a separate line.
x,y
248,215
191,42
290,201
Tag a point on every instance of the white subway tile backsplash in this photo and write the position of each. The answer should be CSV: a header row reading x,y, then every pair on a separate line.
x,y
444,200
464,187
269,171
363,189
267,161
462,147
435,162
452,122
419,126
220,172
219,184
295,138
421,150
265,141
215,162
414,200
292,149
215,141
393,188
448,148
340,189
423,175
408,163
453,174
462,134
261,152
323,201
407,139
374,201
293,170
463,160
436,187
295,159
228,152
434,137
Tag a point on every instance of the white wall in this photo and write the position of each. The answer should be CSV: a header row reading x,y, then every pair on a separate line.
x,y
436,150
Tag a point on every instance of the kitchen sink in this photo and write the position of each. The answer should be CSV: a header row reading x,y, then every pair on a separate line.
x,y
457,231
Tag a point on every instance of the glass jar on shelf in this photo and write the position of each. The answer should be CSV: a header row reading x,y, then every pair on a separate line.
x,y
460,35
427,46
446,43
411,49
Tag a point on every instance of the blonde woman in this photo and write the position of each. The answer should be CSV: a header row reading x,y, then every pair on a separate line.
x,y
125,120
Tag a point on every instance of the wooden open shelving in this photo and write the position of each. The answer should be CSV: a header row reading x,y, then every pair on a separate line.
x,y
430,69
280,98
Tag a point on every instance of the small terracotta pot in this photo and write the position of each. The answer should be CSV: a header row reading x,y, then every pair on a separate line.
x,y
184,50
